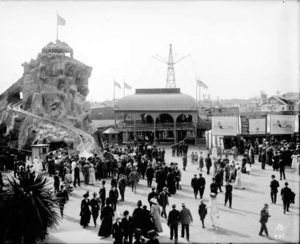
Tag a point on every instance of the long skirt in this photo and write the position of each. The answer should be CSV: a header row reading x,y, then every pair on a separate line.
x,y
85,218
92,179
106,227
157,225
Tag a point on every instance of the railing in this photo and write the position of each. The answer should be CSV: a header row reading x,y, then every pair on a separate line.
x,y
130,124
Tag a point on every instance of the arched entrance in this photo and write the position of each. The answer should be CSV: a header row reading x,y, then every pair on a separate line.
x,y
184,122
164,125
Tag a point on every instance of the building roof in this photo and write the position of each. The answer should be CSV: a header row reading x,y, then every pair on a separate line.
x,y
104,123
280,99
157,102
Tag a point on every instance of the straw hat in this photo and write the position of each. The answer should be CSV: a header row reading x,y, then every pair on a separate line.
x,y
212,195
154,200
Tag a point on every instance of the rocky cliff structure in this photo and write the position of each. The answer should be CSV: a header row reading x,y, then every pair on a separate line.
x,y
54,86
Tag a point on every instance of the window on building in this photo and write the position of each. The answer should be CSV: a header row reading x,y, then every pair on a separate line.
x,y
274,108
112,136
282,108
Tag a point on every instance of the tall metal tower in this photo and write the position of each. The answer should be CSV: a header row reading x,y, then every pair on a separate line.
x,y
171,83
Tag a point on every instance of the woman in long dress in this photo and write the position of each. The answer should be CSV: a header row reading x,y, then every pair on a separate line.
x,y
106,217
238,181
85,211
67,181
81,178
213,208
155,213
294,161
92,175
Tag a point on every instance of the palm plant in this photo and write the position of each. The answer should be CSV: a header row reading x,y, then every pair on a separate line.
x,y
27,211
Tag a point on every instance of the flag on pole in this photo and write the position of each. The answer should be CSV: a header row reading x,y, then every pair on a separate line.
x,y
200,83
126,86
60,21
117,84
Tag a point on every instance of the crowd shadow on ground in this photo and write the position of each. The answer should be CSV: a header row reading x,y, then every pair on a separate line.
x,y
227,232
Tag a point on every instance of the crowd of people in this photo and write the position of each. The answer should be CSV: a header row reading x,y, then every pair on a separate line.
x,y
126,166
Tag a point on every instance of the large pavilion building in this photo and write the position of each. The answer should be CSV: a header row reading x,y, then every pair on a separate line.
x,y
161,115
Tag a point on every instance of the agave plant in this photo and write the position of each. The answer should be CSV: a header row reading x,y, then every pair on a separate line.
x,y
27,211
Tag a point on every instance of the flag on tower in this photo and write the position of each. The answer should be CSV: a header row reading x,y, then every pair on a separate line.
x,y
126,86
117,84
60,21
200,83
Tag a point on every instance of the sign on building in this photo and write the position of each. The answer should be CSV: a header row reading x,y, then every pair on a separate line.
x,y
253,125
224,126
282,124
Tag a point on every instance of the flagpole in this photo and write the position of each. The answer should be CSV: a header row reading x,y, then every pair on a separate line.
x,y
199,95
196,90
56,25
114,103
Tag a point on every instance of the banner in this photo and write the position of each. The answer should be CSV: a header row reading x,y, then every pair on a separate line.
x,y
253,125
224,126
257,126
282,124
297,123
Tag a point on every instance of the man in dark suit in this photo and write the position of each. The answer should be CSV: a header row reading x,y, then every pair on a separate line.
x,y
195,185
76,175
118,231
286,194
274,185
214,186
173,221
281,165
164,201
127,223
122,186
102,194
201,185
208,163
264,215
114,195
228,193
149,175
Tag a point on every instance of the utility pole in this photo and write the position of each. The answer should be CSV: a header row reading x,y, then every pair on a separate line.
x,y
171,83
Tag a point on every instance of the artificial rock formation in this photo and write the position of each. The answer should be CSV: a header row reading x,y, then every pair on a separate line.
x,y
54,86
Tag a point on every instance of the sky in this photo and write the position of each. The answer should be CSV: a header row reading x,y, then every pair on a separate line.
x,y
236,48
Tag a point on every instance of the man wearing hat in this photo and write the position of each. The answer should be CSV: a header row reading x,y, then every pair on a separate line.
x,y
138,216
164,201
173,221
152,237
149,175
185,219
274,185
228,193
117,230
195,185
201,185
122,186
127,223
264,215
285,195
